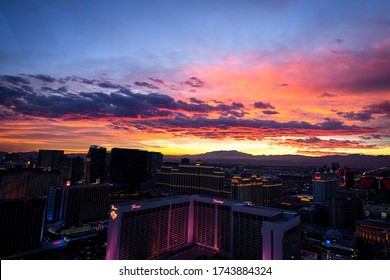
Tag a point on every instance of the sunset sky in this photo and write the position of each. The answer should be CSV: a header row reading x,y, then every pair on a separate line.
x,y
187,77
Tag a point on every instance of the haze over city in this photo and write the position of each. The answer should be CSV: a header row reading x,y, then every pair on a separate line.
x,y
180,77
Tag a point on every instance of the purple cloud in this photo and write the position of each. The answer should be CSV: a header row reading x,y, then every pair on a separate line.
x,y
270,112
194,82
262,105
327,94
145,84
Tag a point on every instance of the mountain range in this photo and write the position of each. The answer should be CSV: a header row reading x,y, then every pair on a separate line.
x,y
238,158
233,157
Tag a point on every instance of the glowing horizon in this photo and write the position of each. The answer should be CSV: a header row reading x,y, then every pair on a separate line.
x,y
257,77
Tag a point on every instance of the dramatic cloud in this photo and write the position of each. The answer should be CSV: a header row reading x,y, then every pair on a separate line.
x,y
44,78
197,101
262,105
270,112
382,108
327,94
317,144
58,103
79,80
108,85
158,81
361,116
368,111
194,82
118,109
15,80
145,84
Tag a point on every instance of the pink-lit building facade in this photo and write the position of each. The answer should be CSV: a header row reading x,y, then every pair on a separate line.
x,y
234,230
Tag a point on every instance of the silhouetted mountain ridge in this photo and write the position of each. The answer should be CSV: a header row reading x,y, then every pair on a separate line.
x,y
239,158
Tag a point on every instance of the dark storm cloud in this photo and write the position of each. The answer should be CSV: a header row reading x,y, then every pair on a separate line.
x,y
262,105
195,100
194,82
145,84
379,108
368,112
53,90
56,103
15,80
327,94
109,85
360,116
225,123
270,112
8,96
309,140
27,88
157,81
78,80
330,124
318,144
45,78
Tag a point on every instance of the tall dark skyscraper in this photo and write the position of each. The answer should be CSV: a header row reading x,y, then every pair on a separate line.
x,y
95,171
77,171
50,159
129,166
86,203
155,161
348,178
345,210
21,224
27,183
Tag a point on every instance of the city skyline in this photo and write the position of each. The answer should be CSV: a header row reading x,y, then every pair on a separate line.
x,y
260,77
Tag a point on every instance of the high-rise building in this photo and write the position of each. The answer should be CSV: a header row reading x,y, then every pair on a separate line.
x,y
77,171
264,191
156,228
50,159
348,178
14,157
55,203
136,169
129,166
373,239
324,184
344,211
27,183
21,224
95,171
164,178
86,203
193,179
65,167
155,161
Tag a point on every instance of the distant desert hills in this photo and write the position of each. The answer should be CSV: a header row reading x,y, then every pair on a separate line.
x,y
233,157
238,158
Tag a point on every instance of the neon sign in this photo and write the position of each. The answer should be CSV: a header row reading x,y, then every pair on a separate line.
x,y
113,213
135,206
217,201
